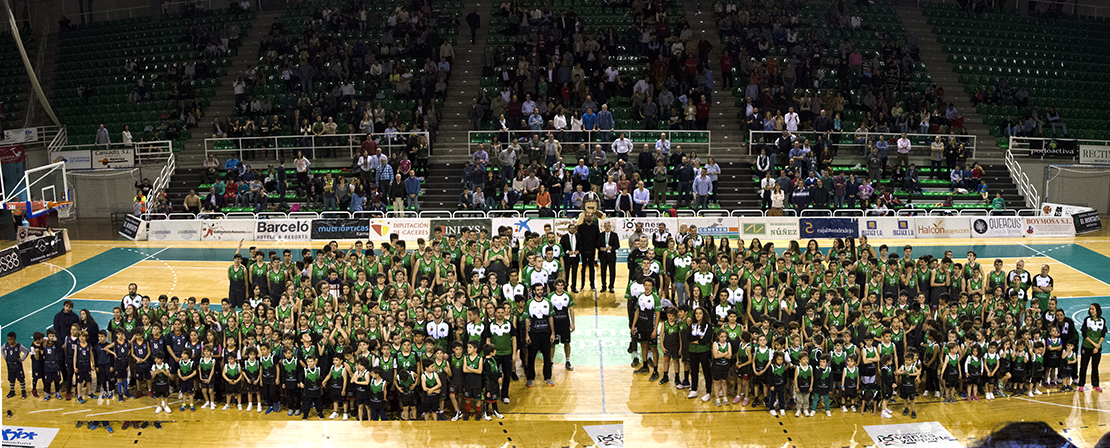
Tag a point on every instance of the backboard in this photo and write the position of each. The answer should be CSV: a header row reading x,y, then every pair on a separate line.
x,y
40,191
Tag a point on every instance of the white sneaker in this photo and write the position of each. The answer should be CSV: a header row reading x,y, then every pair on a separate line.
x,y
458,415
239,405
158,409
259,408
843,409
226,407
1038,392
938,394
180,395
333,416
705,397
486,417
798,413
717,402
498,414
853,409
828,413
1030,394
167,408
344,416
505,400
692,394
249,406
776,414
990,396
812,412
888,415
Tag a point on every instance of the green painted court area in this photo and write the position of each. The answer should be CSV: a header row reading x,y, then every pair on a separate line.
x,y
598,340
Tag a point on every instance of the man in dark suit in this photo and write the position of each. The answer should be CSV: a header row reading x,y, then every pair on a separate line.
x,y
607,255
569,243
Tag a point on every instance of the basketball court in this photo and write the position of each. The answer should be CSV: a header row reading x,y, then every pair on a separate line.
x,y
602,389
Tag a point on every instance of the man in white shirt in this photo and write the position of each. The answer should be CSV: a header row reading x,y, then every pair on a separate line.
x,y
640,199
904,151
622,147
663,145
792,120
611,73
301,164
132,298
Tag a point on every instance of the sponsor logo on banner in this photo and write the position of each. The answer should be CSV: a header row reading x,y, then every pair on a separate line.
x,y
723,226
282,229
340,229
27,437
828,227
453,226
610,436
523,225
785,228
886,227
917,435
23,135
113,158
173,230
227,230
1054,148
12,154
1049,226
1094,155
996,226
1052,209
26,233
1086,222
42,249
942,227
10,261
405,228
133,228
625,227
80,159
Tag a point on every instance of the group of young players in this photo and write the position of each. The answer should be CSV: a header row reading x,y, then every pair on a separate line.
x,y
852,326
396,333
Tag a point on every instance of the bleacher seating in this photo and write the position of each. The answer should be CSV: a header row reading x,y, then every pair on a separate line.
x,y
94,56
1060,62
14,83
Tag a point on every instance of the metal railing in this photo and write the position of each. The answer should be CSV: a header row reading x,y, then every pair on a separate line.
x,y
1027,189
144,152
919,143
698,140
163,180
345,146
650,213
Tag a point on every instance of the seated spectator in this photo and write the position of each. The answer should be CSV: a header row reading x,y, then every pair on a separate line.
x,y
957,177
984,191
910,181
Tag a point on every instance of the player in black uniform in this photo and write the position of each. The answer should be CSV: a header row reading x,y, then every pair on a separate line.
x,y
83,366
53,360
14,354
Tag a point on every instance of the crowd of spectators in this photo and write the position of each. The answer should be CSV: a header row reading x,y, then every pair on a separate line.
x,y
314,78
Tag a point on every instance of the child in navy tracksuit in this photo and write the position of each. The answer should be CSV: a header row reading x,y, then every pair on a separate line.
x,y
103,365
14,355
53,356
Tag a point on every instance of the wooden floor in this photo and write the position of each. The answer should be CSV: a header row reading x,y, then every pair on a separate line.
x,y
601,390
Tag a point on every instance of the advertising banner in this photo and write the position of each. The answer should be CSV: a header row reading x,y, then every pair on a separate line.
x,y
10,261
1053,209
80,159
764,228
455,226
1049,226
828,227
23,135
916,435
1086,222
1054,148
113,158
340,229
173,230
882,227
12,154
718,227
996,226
133,228
1094,155
42,249
27,437
524,224
408,229
942,227
282,229
625,227
227,230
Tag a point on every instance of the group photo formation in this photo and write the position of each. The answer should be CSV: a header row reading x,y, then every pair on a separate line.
x,y
554,223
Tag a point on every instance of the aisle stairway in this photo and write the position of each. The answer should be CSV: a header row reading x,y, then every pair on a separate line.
x,y
944,75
